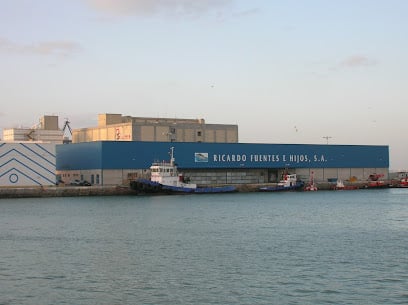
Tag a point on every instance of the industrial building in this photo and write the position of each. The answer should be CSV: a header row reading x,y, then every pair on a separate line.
x,y
27,164
27,155
116,127
119,162
122,148
46,130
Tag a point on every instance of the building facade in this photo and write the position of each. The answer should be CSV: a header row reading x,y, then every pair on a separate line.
x,y
117,163
46,130
115,127
27,164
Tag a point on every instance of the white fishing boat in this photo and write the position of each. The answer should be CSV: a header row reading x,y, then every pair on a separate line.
x,y
165,178
289,182
341,186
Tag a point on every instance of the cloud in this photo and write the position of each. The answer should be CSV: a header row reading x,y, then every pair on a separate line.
x,y
57,48
184,8
358,61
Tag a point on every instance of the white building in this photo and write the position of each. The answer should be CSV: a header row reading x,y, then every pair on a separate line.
x,y
46,131
27,164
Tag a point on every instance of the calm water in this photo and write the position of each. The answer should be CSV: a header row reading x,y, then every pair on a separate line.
x,y
347,247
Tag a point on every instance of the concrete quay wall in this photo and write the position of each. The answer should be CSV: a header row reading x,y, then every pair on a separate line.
x,y
74,191
64,191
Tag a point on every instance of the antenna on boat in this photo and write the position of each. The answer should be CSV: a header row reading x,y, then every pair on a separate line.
x,y
172,156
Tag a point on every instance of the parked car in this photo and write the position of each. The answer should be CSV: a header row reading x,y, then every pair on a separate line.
x,y
77,182
85,183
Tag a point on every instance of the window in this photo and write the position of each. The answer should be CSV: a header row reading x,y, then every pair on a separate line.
x,y
198,133
172,134
92,179
97,178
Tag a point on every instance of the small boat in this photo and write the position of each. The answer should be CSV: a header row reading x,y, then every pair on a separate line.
x,y
340,186
288,183
311,186
165,179
375,182
403,182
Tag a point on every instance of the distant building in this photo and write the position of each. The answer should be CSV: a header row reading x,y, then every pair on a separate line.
x,y
399,175
115,127
46,131
27,164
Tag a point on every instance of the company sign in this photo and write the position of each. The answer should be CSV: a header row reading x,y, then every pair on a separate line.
x,y
260,158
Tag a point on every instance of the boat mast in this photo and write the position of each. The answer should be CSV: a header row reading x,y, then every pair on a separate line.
x,y
172,156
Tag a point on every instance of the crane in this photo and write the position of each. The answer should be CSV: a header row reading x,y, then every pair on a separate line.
x,y
67,139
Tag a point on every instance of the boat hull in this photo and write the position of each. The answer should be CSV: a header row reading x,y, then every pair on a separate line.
x,y
345,188
216,189
376,185
282,188
311,188
144,186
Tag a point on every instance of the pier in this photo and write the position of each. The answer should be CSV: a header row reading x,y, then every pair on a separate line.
x,y
75,191
64,191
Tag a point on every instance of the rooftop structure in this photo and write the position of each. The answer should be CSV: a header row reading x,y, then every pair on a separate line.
x,y
116,127
45,131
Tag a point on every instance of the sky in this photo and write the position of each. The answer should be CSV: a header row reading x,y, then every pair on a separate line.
x,y
288,71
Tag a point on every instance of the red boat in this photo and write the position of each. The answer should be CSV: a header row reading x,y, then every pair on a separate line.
x,y
404,182
375,182
311,186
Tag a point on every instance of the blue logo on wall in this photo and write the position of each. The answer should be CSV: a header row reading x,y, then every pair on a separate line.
x,y
13,178
201,157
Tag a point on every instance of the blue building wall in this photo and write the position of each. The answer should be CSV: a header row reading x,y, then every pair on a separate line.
x,y
140,155
79,156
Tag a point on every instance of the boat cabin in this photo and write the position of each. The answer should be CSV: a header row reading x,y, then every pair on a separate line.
x,y
166,173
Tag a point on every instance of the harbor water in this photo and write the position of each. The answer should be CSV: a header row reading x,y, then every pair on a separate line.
x,y
325,247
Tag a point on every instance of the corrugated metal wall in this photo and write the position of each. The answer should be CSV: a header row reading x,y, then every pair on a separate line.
x,y
79,156
139,155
